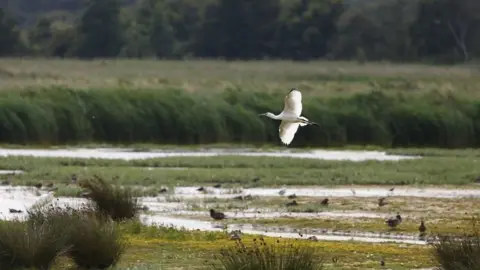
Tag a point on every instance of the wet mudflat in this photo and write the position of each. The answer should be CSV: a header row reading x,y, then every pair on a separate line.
x,y
352,214
270,219
127,154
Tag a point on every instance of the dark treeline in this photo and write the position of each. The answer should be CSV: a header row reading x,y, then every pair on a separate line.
x,y
397,30
64,116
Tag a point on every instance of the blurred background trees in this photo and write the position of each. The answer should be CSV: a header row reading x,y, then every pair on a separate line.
x,y
439,31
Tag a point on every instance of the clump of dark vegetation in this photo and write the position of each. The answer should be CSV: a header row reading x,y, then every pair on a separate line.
x,y
113,201
458,252
26,246
96,243
260,255
86,234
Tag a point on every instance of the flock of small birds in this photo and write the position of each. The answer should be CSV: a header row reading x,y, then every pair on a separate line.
x,y
391,222
235,235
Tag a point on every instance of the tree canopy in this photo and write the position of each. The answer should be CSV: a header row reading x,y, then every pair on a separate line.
x,y
396,30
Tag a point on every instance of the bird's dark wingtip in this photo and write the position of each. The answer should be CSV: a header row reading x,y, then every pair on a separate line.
x,y
293,89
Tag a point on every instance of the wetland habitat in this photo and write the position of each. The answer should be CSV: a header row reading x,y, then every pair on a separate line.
x,y
178,190
401,133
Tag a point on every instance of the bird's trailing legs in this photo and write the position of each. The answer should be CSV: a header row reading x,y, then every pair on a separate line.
x,y
304,121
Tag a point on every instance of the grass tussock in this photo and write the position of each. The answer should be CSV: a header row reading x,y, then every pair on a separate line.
x,y
458,253
111,200
90,238
261,255
62,115
25,246
96,244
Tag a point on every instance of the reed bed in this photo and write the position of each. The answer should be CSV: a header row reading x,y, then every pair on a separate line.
x,y
53,116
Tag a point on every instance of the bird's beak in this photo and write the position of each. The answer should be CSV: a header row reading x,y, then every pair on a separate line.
x,y
262,114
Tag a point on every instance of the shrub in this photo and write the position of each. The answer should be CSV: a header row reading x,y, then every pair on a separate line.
x,y
113,201
47,213
458,253
95,243
92,238
25,246
264,256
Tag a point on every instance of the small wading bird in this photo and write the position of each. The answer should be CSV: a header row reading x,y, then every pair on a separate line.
x,y
422,228
325,202
216,215
393,222
381,202
290,116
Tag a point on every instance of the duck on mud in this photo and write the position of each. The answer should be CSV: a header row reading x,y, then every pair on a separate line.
x,y
422,228
216,215
381,202
394,222
325,202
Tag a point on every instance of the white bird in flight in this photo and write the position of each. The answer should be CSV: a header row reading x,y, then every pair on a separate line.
x,y
290,116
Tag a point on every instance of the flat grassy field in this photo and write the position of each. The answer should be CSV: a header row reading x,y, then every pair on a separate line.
x,y
436,167
318,78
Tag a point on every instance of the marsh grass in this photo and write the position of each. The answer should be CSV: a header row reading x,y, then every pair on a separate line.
x,y
239,171
137,229
96,243
25,246
260,255
56,115
93,239
114,201
459,253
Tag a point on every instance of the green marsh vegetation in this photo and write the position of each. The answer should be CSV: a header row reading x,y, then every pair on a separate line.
x,y
460,253
51,233
266,256
373,105
148,175
89,235
116,202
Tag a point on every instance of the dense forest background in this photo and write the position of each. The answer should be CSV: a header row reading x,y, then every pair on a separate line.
x,y
441,31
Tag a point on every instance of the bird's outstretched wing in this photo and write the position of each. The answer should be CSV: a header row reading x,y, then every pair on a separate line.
x,y
287,131
293,103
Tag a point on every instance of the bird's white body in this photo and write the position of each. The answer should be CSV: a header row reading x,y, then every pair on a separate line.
x,y
290,117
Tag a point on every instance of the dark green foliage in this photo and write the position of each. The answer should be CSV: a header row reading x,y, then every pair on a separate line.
x,y
261,255
95,243
99,31
41,37
56,116
23,245
458,253
115,202
9,37
90,238
444,31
